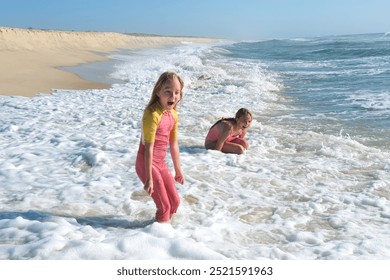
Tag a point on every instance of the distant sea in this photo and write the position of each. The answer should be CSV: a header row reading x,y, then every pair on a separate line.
x,y
314,183
336,83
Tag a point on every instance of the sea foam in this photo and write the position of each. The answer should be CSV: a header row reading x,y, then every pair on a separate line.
x,y
68,188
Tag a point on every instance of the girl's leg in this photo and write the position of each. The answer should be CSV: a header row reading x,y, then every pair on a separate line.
x,y
159,195
171,190
233,148
241,141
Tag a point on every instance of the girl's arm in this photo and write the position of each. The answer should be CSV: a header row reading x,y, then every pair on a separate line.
x,y
243,132
175,154
225,133
148,168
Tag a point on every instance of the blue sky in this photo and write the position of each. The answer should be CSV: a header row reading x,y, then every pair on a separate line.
x,y
229,19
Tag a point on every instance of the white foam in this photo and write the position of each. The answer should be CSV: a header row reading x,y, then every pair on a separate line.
x,y
68,188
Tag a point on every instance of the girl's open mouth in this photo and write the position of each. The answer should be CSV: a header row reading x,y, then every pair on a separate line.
x,y
171,103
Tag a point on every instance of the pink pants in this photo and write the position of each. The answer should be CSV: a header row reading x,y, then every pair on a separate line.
x,y
165,194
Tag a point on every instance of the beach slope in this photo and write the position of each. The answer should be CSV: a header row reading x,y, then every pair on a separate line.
x,y
30,58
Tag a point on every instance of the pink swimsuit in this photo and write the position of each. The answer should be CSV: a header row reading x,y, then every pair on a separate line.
x,y
165,193
214,134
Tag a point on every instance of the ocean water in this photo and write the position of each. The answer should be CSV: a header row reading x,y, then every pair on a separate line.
x,y
314,183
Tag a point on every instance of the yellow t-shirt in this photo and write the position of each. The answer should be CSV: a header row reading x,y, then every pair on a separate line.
x,y
151,120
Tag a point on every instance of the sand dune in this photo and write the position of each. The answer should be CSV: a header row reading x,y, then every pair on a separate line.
x,y
29,58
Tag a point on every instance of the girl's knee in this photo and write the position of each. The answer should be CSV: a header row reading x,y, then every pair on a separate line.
x,y
240,150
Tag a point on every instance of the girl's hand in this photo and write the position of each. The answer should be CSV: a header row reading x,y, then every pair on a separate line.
x,y
148,187
179,178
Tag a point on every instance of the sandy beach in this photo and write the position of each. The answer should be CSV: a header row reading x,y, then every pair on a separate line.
x,y
30,58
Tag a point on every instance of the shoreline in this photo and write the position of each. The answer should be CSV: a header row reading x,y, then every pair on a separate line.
x,y
42,61
95,71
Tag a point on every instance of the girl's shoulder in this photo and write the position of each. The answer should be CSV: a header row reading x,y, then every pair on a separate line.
x,y
225,126
155,108
222,123
152,114
227,122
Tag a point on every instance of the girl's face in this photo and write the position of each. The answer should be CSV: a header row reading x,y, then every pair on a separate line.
x,y
170,94
244,121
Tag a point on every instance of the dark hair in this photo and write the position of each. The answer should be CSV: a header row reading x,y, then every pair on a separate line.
x,y
241,112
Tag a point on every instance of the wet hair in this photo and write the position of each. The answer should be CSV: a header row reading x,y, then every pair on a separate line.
x,y
164,78
241,112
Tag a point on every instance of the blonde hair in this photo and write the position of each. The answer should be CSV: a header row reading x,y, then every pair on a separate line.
x,y
164,78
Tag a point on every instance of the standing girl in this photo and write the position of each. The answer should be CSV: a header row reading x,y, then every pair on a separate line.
x,y
159,129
